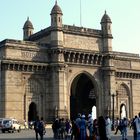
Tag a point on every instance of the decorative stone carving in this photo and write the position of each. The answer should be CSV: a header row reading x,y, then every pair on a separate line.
x,y
33,56
122,64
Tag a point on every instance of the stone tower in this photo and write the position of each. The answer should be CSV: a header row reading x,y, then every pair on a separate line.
x,y
108,67
27,29
106,32
58,67
56,25
56,16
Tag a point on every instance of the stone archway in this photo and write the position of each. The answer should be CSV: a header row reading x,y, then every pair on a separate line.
x,y
33,97
83,96
123,100
32,113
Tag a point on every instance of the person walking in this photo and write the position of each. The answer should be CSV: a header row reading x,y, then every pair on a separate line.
x,y
137,123
55,128
133,125
77,121
90,126
83,128
67,128
62,128
74,134
39,128
95,130
102,128
124,124
108,127
117,126
36,124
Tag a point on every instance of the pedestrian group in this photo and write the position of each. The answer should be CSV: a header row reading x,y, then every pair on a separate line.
x,y
85,128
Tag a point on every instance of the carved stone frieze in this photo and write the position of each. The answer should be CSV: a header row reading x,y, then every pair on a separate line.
x,y
122,64
39,56
127,75
24,67
83,58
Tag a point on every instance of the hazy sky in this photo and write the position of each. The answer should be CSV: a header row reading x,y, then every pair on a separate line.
x,y
125,16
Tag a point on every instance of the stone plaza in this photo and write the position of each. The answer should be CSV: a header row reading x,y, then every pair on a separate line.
x,y
30,135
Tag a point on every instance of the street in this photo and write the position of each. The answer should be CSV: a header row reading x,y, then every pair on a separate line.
x,y
30,135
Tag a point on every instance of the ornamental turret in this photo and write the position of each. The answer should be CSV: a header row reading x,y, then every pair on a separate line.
x,y
27,29
106,24
106,32
56,26
56,16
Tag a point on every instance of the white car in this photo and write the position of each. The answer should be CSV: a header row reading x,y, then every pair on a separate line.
x,y
10,125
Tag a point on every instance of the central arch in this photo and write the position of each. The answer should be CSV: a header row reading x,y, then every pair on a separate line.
x,y
83,95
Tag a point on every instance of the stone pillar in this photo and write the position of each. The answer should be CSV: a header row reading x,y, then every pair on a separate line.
x,y
59,95
12,89
109,85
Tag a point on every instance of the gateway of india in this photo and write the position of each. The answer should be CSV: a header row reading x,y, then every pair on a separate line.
x,y
64,70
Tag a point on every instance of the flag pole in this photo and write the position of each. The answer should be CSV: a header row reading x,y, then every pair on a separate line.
x,y
80,13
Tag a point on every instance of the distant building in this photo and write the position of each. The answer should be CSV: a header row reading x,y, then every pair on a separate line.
x,y
64,70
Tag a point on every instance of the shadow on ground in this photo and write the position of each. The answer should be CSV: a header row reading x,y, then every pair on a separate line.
x,y
25,138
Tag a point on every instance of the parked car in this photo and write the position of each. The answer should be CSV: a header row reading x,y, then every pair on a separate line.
x,y
10,125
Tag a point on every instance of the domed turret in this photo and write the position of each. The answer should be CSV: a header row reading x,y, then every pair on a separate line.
x,y
56,9
27,29
28,24
56,16
106,24
106,32
105,18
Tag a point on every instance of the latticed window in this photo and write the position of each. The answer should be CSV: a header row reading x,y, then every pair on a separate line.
x,y
32,86
122,91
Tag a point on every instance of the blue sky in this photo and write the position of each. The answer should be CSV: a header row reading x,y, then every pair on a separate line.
x,y
125,16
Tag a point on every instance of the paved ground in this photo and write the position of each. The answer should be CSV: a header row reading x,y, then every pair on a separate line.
x,y
118,136
30,135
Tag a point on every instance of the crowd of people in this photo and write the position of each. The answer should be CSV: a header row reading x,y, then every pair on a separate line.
x,y
83,128
123,124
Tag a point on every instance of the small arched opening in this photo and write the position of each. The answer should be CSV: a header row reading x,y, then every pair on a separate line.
x,y
123,100
32,113
123,111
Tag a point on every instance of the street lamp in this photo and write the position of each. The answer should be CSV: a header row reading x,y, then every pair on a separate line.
x,y
113,96
56,112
